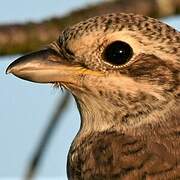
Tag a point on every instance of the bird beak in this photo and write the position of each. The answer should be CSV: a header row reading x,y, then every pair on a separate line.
x,y
43,66
46,66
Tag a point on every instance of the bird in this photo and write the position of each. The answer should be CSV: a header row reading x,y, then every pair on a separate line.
x,y
123,71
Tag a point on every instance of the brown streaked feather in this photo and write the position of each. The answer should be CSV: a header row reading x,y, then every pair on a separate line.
x,y
115,155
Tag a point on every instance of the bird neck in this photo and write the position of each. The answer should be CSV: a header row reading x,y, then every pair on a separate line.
x,y
99,115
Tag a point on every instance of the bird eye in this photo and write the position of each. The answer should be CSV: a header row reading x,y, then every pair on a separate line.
x,y
118,53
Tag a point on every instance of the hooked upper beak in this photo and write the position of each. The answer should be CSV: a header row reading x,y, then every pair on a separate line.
x,y
46,66
40,66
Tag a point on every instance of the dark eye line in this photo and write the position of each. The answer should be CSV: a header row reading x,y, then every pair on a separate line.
x,y
68,51
65,49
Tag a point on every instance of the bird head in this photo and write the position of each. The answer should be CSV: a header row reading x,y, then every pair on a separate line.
x,y
123,69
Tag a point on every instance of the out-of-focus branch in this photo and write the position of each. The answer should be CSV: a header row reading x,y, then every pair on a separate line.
x,y
30,36
18,38
36,159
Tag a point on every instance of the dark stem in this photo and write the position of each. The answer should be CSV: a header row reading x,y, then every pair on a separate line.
x,y
38,154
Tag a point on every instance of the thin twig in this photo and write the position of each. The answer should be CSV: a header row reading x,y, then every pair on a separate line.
x,y
36,159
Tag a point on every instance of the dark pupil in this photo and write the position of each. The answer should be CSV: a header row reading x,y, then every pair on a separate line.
x,y
118,53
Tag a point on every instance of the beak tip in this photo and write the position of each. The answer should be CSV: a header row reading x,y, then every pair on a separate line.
x,y
11,68
8,70
14,66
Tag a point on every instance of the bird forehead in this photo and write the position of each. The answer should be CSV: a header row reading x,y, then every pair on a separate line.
x,y
118,22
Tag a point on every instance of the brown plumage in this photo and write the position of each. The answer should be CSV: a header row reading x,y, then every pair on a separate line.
x,y
123,70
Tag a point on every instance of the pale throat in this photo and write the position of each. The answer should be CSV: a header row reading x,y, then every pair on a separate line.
x,y
103,103
98,115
